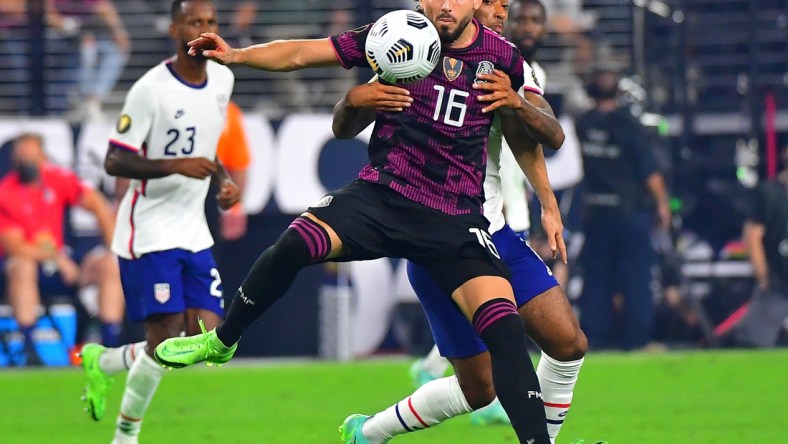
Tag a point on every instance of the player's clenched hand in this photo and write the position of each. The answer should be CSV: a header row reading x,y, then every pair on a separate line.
x,y
379,97
195,167
497,88
229,194
554,229
213,47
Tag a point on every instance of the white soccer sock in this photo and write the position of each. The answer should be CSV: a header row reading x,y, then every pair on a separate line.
x,y
557,380
141,383
434,363
120,358
432,403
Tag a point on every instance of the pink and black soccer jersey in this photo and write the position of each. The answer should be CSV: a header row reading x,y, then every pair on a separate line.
x,y
434,152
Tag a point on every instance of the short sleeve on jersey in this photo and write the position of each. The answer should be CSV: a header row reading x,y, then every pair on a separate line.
x,y
516,70
136,119
349,47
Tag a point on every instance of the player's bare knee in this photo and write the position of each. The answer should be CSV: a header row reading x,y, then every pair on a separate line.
x,y
574,347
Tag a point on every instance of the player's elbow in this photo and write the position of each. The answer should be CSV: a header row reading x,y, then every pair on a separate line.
x,y
341,131
557,139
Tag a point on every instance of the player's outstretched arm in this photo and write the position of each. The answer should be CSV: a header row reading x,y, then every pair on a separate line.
x,y
356,110
279,55
533,110
530,157
123,163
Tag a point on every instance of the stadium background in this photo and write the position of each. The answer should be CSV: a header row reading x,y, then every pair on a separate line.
x,y
708,76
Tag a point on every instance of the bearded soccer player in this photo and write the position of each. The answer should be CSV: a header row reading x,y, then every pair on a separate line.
x,y
165,142
542,304
419,198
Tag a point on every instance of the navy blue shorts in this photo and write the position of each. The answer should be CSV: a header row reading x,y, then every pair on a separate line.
x,y
170,282
452,331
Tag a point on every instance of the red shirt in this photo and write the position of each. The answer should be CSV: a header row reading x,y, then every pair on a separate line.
x,y
38,209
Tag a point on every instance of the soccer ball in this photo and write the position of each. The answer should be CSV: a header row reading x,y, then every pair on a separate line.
x,y
403,47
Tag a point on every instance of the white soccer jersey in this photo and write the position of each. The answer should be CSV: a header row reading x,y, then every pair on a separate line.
x,y
166,118
504,181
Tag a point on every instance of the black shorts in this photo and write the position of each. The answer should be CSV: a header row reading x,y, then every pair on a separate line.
x,y
374,221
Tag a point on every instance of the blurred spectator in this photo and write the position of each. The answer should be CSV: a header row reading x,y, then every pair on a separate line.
x,y
233,152
103,47
33,202
241,31
621,186
766,237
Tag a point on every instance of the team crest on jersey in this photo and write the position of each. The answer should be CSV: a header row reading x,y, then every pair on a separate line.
x,y
124,123
485,67
324,202
161,292
222,100
452,68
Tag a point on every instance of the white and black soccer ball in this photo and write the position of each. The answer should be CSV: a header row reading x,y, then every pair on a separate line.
x,y
403,47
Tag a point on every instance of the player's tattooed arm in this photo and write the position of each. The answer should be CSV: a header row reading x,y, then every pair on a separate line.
x,y
533,110
530,156
279,55
356,110
123,163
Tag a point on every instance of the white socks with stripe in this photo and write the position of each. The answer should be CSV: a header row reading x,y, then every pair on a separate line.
x,y
432,403
557,380
141,383
120,358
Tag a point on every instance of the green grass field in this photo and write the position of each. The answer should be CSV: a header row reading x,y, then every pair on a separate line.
x,y
696,397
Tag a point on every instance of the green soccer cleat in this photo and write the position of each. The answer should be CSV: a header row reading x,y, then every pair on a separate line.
x,y
493,414
350,430
183,352
98,382
419,375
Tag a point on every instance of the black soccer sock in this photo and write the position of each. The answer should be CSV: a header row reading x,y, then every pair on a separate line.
x,y
303,243
514,378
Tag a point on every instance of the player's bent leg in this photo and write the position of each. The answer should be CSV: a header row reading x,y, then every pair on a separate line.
x,y
497,322
475,379
305,242
99,365
429,405
144,376
553,326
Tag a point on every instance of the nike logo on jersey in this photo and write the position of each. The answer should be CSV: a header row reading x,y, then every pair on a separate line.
x,y
179,113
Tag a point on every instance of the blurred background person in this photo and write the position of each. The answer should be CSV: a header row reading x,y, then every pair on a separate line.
x,y
233,152
622,188
104,47
33,201
766,239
